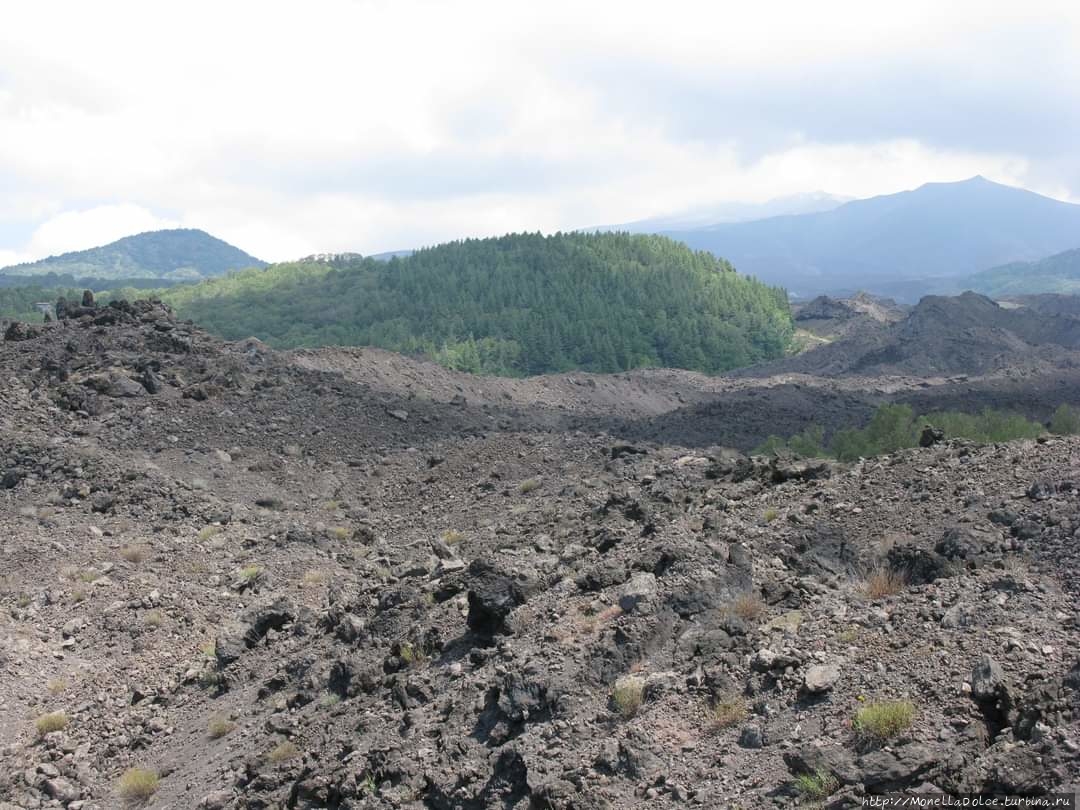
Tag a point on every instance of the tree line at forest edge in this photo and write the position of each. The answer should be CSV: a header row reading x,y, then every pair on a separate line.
x,y
895,427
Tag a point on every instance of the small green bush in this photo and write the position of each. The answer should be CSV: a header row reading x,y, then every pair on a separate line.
x,y
817,786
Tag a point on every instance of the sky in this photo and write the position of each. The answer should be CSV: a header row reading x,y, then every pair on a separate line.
x,y
292,128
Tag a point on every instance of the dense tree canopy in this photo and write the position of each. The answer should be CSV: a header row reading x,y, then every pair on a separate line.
x,y
519,304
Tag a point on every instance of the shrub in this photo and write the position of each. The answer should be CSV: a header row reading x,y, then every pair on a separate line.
x,y
412,654
628,695
726,712
1065,421
771,514
47,723
138,784
339,532
879,722
249,574
883,582
283,753
817,786
219,727
154,619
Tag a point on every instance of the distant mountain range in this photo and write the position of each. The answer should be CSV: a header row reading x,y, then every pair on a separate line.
x,y
904,244
705,216
180,254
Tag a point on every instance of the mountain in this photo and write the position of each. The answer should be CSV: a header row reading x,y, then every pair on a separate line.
x,y
518,304
883,244
704,216
182,253
1059,273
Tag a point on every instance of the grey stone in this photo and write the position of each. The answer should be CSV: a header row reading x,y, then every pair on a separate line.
x,y
820,678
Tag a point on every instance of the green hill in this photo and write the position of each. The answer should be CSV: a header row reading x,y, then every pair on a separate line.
x,y
519,304
173,254
1059,273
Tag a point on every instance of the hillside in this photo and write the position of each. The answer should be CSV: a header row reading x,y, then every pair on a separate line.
x,y
1059,273
172,254
519,304
884,243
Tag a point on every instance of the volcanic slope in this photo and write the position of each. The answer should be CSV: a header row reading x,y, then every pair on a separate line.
x,y
273,586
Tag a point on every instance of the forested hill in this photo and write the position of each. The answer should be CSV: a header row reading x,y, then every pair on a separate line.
x,y
179,254
519,304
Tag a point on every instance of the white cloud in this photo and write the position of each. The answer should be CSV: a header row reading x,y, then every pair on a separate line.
x,y
353,124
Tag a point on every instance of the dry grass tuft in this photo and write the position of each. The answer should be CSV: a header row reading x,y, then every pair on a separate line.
x,y
528,485
628,694
883,582
452,537
219,727
748,606
154,619
137,785
48,723
134,553
283,753
726,712
206,532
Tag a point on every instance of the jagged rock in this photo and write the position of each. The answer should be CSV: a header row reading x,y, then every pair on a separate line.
x,y
751,737
895,769
638,592
987,680
930,436
18,331
493,594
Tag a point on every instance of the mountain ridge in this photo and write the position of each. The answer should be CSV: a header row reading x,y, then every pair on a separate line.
x,y
939,230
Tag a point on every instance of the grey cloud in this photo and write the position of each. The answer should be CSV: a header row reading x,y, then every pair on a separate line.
x,y
1019,96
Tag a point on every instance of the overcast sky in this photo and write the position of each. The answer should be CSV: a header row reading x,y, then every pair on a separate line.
x,y
291,128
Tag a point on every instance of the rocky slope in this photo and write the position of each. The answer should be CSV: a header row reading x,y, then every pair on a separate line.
x,y
279,583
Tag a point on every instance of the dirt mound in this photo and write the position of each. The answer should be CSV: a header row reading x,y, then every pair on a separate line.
x,y
272,583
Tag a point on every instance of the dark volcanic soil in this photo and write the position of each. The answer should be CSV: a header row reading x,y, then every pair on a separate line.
x,y
346,580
